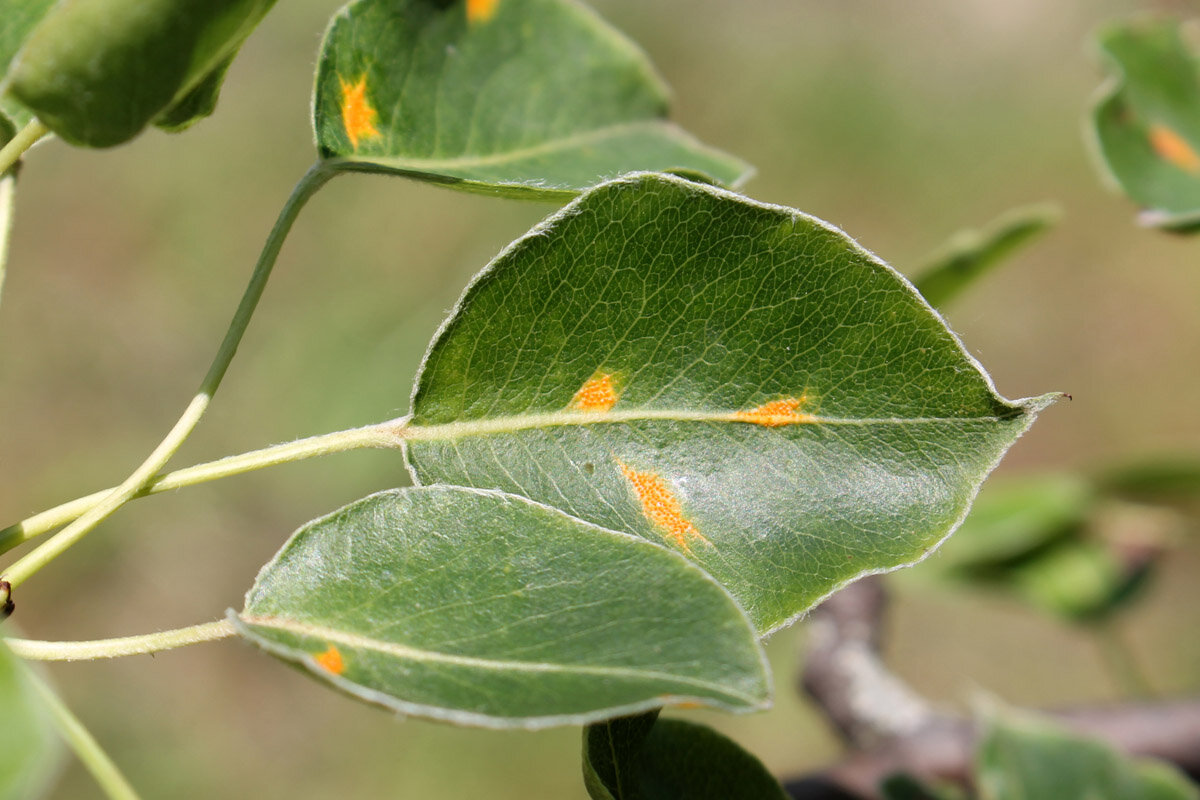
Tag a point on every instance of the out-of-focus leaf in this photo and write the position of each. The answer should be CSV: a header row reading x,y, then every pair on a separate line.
x,y
96,72
197,104
738,381
651,758
486,609
1015,520
971,253
1080,581
1146,120
30,750
17,20
1023,758
1165,480
536,98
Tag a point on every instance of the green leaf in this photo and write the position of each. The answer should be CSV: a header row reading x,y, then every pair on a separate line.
x,y
197,104
1023,758
30,750
740,382
16,22
650,758
96,72
486,609
1016,521
1145,123
972,253
536,98
1166,479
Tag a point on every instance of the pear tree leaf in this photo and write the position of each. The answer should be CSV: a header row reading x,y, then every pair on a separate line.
x,y
529,98
970,254
1021,757
487,609
96,72
740,382
30,750
1145,123
651,758
198,103
16,23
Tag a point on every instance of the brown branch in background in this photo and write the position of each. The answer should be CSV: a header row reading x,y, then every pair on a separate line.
x,y
889,728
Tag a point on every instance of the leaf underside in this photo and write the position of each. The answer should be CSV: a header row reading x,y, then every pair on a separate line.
x,y
486,609
530,98
1146,120
739,382
96,72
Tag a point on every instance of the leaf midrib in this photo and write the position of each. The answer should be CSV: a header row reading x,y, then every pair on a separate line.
x,y
511,424
548,147
357,641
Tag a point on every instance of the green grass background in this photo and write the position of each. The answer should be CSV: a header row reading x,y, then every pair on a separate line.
x,y
899,122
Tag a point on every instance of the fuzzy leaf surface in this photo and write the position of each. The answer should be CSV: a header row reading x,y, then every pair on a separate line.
x,y
650,758
96,72
1022,758
740,382
29,747
487,609
537,98
1146,121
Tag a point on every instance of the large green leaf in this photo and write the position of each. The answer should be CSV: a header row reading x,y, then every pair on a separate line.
x,y
30,749
1023,758
96,72
970,254
522,97
738,381
17,20
487,609
650,758
1146,120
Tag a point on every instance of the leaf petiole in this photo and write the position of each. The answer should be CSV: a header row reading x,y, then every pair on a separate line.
x,y
33,650
26,138
316,177
97,762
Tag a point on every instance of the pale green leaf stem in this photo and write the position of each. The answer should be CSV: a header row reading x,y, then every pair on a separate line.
x,y
33,650
26,138
308,185
105,772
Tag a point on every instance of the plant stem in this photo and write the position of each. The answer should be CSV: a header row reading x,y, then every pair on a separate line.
x,y
325,444
26,138
19,572
124,646
105,772
7,190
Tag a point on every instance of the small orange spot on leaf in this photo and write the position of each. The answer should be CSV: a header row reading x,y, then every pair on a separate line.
x,y
358,115
776,413
481,10
597,395
661,506
1174,149
331,660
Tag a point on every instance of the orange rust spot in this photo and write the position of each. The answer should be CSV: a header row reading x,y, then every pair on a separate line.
x,y
776,413
331,660
481,10
1174,149
661,506
358,116
596,395
689,704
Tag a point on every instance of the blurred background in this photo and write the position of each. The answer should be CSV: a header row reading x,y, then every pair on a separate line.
x,y
899,122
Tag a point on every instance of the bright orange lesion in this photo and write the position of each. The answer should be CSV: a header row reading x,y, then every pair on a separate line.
x,y
777,412
331,660
358,115
597,395
661,506
481,10
1174,149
